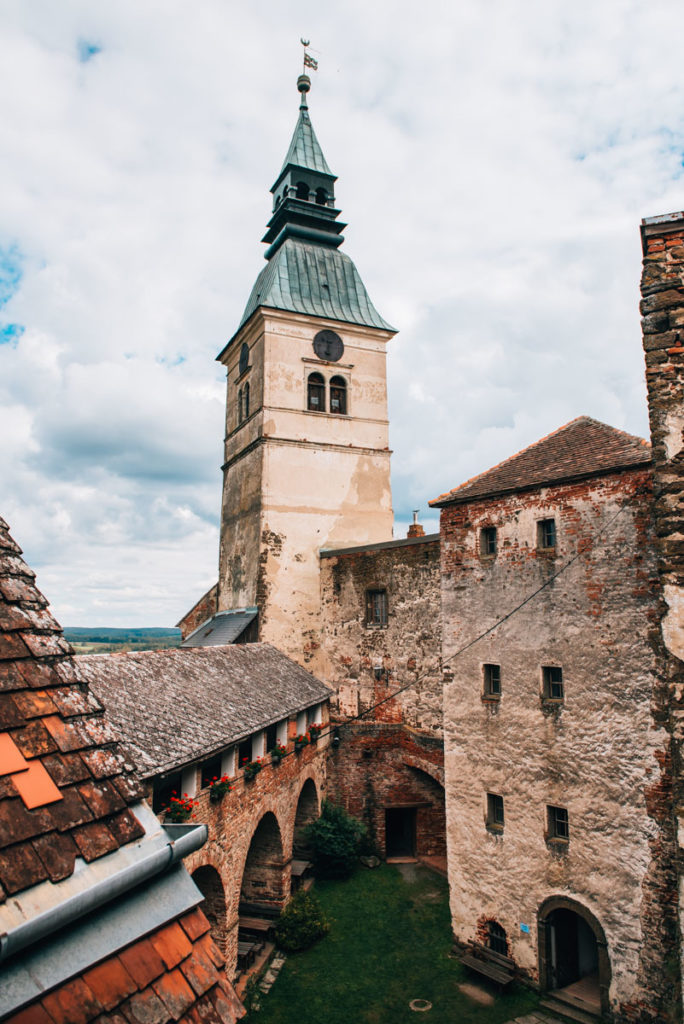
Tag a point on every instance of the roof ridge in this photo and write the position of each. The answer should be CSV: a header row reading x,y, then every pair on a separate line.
x,y
509,463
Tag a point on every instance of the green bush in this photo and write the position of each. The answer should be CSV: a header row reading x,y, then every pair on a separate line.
x,y
301,923
334,840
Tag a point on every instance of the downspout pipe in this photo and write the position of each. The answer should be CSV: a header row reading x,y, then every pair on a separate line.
x,y
64,914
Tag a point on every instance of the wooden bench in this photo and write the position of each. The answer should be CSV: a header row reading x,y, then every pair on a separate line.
x,y
246,953
259,909
495,966
258,925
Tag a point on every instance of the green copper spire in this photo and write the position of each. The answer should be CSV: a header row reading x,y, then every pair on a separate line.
x,y
303,195
306,273
305,150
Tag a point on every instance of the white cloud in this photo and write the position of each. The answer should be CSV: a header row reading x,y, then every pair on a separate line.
x,y
495,158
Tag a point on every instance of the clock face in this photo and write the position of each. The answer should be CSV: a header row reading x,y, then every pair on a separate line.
x,y
244,358
329,346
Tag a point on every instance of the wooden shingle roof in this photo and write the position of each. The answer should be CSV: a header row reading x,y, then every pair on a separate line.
x,y
65,783
582,448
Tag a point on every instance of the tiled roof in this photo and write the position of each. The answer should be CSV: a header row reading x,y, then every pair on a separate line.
x,y
584,447
65,783
222,628
316,280
178,705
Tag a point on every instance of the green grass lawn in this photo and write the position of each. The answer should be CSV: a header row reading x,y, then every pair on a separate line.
x,y
389,943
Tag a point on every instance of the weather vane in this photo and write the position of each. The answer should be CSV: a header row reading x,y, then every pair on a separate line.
x,y
309,61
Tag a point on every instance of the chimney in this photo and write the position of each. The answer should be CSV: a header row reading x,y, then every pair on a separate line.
x,y
415,529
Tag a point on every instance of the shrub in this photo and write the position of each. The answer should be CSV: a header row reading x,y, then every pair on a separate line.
x,y
301,923
334,840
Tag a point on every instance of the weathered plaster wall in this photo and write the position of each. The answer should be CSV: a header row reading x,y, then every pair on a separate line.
x,y
407,651
596,755
297,480
662,308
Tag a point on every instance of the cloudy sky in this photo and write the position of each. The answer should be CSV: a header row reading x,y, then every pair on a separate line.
x,y
495,158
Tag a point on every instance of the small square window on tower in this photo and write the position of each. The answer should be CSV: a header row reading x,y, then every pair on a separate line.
x,y
376,608
488,541
492,681
495,812
552,683
558,823
546,534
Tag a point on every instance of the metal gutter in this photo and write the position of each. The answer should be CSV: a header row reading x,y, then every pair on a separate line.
x,y
39,927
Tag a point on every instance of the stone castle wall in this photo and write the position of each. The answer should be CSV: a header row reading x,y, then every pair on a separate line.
x,y
662,308
365,664
595,754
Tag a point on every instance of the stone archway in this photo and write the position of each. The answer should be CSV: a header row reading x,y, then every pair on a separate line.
x,y
208,881
263,877
573,952
307,811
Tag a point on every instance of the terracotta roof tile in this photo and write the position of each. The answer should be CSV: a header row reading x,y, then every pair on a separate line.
x,y
584,447
73,1003
175,993
143,962
20,868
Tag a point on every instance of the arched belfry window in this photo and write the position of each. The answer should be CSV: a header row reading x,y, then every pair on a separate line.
x,y
302,190
321,196
240,407
246,400
315,393
338,396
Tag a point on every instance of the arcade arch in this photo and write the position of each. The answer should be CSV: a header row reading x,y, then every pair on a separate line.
x,y
573,951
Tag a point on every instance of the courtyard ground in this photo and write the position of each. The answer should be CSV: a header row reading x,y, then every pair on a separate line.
x,y
389,944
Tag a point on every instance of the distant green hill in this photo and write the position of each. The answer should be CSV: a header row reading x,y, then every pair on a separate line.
x,y
104,639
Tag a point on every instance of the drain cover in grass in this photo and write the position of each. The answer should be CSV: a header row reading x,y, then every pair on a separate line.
x,y
420,1005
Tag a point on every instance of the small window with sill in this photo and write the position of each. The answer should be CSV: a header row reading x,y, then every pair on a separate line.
x,y
488,541
492,681
315,393
495,812
552,683
376,608
546,534
558,823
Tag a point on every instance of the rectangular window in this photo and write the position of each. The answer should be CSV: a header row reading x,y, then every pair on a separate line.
x,y
492,681
546,533
488,541
245,752
495,811
211,770
376,607
553,682
164,789
559,826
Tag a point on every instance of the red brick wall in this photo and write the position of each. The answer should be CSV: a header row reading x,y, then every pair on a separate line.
x,y
203,610
252,834
378,765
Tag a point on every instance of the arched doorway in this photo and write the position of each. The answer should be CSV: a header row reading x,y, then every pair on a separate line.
x,y
208,881
307,811
262,878
573,954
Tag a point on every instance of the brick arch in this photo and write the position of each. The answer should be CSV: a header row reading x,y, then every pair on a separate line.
x,y
264,867
435,771
208,880
558,902
307,810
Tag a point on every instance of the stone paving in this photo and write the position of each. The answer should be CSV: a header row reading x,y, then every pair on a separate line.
x,y
536,1018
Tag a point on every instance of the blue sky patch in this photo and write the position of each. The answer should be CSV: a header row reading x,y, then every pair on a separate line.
x,y
87,50
11,333
10,272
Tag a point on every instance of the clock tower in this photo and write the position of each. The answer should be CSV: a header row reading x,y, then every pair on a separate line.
x,y
307,460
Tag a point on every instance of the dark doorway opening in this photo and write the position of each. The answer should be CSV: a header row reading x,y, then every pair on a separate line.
x,y
400,832
574,956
